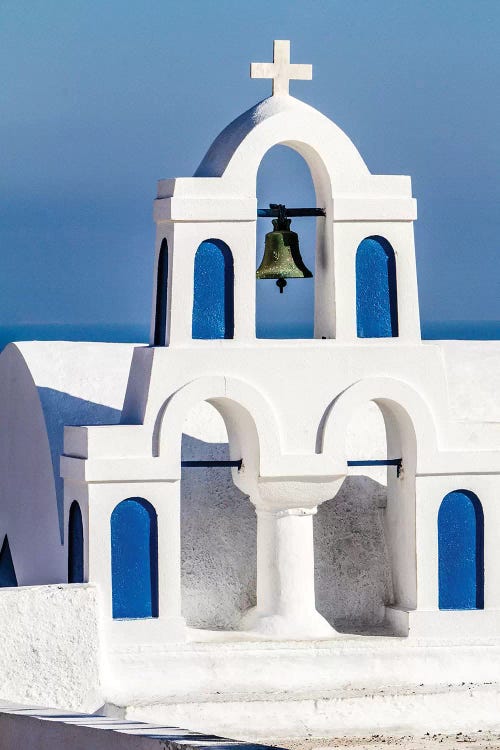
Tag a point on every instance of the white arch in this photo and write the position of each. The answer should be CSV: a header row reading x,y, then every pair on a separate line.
x,y
237,152
410,423
411,435
250,420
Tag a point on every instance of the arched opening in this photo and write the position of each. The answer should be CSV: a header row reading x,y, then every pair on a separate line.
x,y
461,551
374,512
284,177
376,289
218,527
7,572
213,301
353,576
134,559
161,296
75,544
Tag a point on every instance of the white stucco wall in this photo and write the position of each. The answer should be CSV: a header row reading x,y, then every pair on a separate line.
x,y
473,374
49,646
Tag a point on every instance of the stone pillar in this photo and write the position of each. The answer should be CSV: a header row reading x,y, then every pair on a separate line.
x,y
285,561
286,606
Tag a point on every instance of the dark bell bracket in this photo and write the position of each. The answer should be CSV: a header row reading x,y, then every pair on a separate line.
x,y
205,463
277,210
397,462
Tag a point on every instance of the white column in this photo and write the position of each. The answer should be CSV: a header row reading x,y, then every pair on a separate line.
x,y
285,561
185,241
428,498
324,281
285,577
345,246
242,238
169,551
488,491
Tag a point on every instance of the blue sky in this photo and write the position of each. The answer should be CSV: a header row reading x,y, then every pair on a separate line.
x,y
100,98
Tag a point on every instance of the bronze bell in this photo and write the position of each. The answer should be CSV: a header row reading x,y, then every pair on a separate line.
x,y
282,259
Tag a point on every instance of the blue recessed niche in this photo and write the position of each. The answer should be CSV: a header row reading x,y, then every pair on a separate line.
x,y
75,544
461,551
376,289
213,302
161,296
7,572
134,559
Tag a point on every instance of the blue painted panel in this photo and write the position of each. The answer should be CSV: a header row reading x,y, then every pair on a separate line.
x,y
134,559
7,572
213,303
376,289
75,544
461,550
161,296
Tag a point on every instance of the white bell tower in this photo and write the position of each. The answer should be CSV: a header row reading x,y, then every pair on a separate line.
x,y
219,202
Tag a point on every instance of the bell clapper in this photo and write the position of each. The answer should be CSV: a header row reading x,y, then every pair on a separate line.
x,y
281,284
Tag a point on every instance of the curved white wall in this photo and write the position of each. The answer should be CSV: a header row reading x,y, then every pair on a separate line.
x,y
43,386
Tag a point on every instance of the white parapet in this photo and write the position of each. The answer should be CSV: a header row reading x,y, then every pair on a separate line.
x,y
52,729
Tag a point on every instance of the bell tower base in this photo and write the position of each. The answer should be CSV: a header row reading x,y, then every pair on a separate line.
x,y
264,690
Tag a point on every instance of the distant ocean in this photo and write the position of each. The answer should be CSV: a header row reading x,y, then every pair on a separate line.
x,y
488,330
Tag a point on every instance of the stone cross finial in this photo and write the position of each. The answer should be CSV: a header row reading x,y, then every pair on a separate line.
x,y
281,70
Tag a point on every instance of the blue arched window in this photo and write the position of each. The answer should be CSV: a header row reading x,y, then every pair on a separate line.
x,y
161,296
376,289
134,559
7,572
213,303
461,556
75,544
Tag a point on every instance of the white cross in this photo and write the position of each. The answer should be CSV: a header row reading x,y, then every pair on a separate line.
x,y
281,70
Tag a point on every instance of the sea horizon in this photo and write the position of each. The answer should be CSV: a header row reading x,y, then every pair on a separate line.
x,y
461,330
